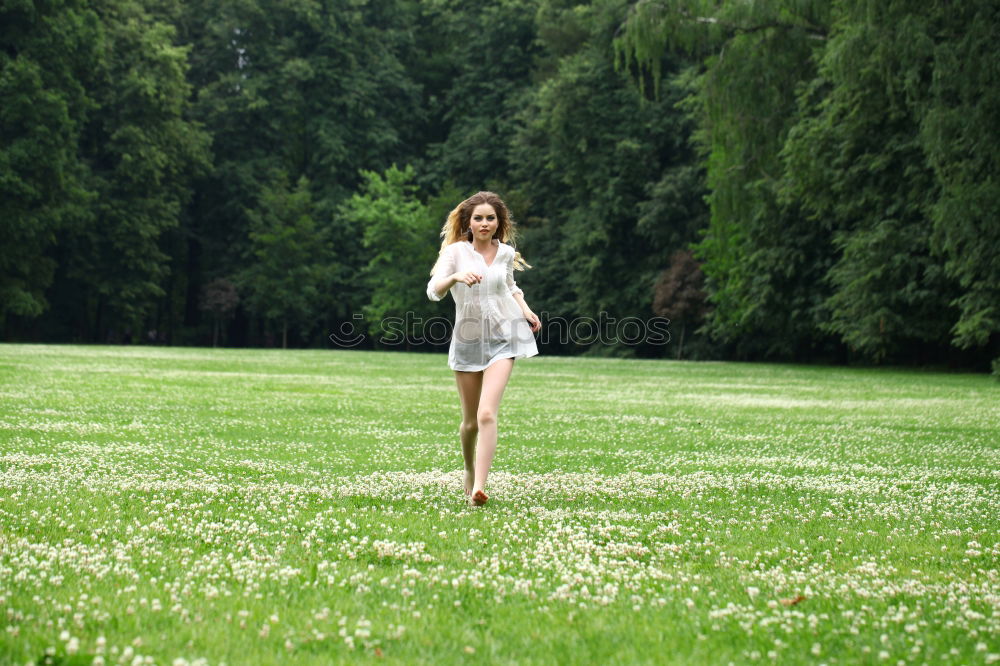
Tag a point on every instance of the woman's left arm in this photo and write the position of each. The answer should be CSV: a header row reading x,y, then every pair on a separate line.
x,y
528,314
518,295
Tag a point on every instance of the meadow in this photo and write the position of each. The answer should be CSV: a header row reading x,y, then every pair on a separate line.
x,y
195,506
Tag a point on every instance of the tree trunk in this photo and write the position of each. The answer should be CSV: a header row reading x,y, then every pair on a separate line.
x,y
284,334
680,346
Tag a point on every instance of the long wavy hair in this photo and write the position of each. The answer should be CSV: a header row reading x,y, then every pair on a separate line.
x,y
456,228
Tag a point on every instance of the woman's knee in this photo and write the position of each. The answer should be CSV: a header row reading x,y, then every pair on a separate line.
x,y
486,417
469,427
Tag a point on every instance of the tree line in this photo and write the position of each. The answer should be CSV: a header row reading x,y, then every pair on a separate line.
x,y
783,180
851,159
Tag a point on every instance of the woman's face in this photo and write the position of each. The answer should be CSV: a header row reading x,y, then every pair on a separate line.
x,y
483,222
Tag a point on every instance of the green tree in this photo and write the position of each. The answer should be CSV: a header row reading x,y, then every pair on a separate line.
x,y
474,61
48,52
398,234
141,152
867,208
856,166
958,131
762,261
314,89
286,266
607,174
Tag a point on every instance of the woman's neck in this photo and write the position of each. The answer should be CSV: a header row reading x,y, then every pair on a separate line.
x,y
482,247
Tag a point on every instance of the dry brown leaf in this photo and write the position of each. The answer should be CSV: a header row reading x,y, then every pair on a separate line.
x,y
794,600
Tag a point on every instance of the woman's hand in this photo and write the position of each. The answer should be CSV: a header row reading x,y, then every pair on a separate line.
x,y
533,320
468,277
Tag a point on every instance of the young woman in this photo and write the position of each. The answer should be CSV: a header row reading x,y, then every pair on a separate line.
x,y
493,324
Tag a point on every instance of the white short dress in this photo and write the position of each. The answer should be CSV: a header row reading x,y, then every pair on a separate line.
x,y
489,324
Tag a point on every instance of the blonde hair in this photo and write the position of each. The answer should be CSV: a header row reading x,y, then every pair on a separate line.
x,y
456,227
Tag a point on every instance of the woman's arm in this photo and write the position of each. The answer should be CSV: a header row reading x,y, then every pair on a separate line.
x,y
532,318
444,275
518,295
440,286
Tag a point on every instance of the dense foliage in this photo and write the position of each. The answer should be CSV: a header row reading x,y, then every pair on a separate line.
x,y
852,165
257,172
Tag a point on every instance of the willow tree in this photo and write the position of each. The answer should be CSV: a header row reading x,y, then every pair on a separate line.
x,y
856,165
762,260
609,176
853,163
958,128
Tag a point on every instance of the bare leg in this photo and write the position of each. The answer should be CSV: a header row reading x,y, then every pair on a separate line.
x,y
470,385
494,382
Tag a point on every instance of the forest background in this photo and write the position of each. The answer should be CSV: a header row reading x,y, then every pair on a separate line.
x,y
794,180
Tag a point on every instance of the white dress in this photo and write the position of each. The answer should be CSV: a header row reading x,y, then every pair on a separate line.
x,y
489,324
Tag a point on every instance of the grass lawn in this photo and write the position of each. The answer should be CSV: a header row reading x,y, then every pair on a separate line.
x,y
179,506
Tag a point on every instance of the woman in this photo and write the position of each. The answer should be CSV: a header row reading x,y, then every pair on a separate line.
x,y
493,324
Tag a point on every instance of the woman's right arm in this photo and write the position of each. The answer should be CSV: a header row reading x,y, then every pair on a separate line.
x,y
439,287
444,275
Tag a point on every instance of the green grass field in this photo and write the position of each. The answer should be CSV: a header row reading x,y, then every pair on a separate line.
x,y
181,506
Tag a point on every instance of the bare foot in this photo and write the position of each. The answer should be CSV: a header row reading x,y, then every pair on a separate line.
x,y
479,498
470,480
